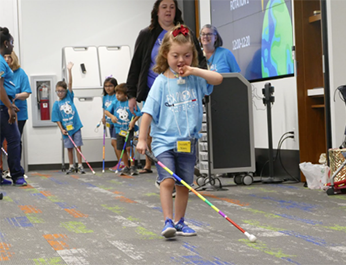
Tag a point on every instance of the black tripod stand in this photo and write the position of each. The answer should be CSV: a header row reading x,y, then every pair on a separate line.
x,y
268,100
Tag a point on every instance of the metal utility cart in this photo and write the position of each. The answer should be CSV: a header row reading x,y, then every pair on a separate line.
x,y
227,143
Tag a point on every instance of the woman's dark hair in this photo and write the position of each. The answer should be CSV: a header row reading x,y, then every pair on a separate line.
x,y
155,20
218,42
111,80
4,36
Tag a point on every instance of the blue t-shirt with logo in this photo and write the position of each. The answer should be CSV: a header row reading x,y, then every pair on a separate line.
x,y
223,61
65,111
106,102
177,110
121,110
21,80
7,74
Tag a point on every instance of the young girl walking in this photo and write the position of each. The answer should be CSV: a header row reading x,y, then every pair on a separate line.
x,y
66,116
108,97
174,111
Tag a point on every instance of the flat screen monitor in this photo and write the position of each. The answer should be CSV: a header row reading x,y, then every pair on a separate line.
x,y
259,33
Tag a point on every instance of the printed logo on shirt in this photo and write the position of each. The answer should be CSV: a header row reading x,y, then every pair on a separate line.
x,y
108,103
66,108
123,114
182,100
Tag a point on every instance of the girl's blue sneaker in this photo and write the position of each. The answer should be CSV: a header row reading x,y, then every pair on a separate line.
x,y
168,230
183,229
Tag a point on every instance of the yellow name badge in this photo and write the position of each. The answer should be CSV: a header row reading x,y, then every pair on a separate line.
x,y
184,146
69,127
108,125
123,133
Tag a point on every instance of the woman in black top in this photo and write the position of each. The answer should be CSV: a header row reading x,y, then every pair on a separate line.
x,y
164,16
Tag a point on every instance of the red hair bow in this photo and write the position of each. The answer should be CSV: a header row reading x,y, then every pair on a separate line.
x,y
181,30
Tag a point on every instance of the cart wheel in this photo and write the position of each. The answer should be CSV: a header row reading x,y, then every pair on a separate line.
x,y
200,181
247,180
237,179
330,191
1,196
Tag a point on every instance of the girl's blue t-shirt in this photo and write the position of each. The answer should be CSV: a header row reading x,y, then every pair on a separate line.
x,y
121,110
223,61
106,102
7,74
65,111
21,80
177,110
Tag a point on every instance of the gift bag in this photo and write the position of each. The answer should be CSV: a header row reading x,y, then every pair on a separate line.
x,y
316,175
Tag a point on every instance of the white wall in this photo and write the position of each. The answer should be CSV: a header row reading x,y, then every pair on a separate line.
x,y
48,26
337,66
284,109
9,19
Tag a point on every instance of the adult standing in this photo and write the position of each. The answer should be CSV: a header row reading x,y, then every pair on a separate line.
x,y
219,59
23,91
8,124
164,16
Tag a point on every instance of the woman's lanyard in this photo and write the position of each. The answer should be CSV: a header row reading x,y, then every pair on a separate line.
x,y
176,75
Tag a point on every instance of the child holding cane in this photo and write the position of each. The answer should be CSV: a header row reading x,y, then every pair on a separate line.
x,y
66,116
124,121
174,111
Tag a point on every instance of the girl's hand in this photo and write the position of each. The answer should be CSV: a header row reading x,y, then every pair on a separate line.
x,y
114,119
185,70
70,65
64,132
141,147
103,120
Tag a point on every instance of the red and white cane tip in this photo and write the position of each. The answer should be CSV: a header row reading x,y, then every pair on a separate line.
x,y
252,238
103,171
94,172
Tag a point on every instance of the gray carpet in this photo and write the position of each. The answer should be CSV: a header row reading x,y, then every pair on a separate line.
x,y
107,219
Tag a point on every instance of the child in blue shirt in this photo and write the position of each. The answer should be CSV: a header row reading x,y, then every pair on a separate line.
x,y
66,116
108,97
174,111
124,121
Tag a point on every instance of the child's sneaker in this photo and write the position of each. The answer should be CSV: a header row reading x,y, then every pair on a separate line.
x,y
20,182
5,182
183,229
113,169
6,174
81,170
169,229
126,171
133,170
70,170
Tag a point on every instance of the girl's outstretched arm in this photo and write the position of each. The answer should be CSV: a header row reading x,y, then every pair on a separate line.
x,y
213,78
